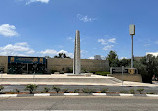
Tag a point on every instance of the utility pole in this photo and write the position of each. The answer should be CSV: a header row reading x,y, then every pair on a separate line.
x,y
132,32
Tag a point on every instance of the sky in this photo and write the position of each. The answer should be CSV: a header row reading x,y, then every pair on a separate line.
x,y
47,27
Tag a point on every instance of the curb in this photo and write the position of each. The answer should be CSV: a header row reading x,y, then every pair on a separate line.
x,y
77,94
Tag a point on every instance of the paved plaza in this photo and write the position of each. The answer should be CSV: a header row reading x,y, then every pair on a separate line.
x,y
111,81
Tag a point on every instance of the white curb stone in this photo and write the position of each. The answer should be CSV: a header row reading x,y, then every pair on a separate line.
x,y
151,95
71,94
8,95
99,94
43,94
126,95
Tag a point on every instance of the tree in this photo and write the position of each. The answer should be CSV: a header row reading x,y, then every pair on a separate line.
x,y
147,67
124,62
113,59
61,55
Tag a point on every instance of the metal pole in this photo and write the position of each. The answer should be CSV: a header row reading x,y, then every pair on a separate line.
x,y
27,68
122,74
132,52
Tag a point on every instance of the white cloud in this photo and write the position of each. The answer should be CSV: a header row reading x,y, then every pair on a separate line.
x,y
42,1
102,41
108,47
91,58
71,39
153,53
49,52
123,58
85,18
156,42
8,30
52,52
67,53
107,43
147,44
113,40
17,49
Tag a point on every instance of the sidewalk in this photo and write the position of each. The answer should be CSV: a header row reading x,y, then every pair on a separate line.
x,y
55,76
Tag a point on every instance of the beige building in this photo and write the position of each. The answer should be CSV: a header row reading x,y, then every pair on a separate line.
x,y
58,64
61,64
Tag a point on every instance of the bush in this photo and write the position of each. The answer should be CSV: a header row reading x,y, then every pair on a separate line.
x,y
132,91
65,90
104,90
52,71
69,70
124,91
150,93
87,90
1,88
17,90
31,88
61,72
93,72
46,89
102,73
140,90
76,90
57,89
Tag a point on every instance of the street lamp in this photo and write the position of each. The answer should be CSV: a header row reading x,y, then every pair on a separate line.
x,y
132,32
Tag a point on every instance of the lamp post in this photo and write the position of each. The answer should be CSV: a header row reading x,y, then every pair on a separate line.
x,y
132,32
122,74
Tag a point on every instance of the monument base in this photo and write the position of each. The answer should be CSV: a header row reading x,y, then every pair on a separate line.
x,y
127,77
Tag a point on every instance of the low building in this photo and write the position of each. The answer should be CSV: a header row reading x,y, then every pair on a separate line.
x,y
19,64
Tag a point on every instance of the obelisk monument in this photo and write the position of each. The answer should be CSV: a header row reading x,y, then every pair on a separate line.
x,y
76,60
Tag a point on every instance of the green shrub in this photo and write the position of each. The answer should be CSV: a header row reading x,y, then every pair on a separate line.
x,y
102,73
57,89
69,70
93,72
140,90
104,90
87,90
132,91
1,88
17,90
150,93
52,71
31,88
76,90
46,89
124,91
61,72
65,90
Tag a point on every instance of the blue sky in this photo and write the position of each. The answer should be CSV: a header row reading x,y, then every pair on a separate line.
x,y
47,27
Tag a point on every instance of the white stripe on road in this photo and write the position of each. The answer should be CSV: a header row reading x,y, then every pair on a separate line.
x,y
151,95
126,94
43,94
71,94
8,95
99,94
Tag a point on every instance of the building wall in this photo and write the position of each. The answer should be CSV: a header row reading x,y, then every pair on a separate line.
x,y
86,64
4,63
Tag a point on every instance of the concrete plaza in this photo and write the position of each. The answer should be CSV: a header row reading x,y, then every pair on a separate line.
x,y
62,79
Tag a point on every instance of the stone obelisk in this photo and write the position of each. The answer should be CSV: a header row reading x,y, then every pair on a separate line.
x,y
76,60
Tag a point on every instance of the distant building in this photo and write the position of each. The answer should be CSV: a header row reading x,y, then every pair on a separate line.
x,y
97,57
137,58
152,53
